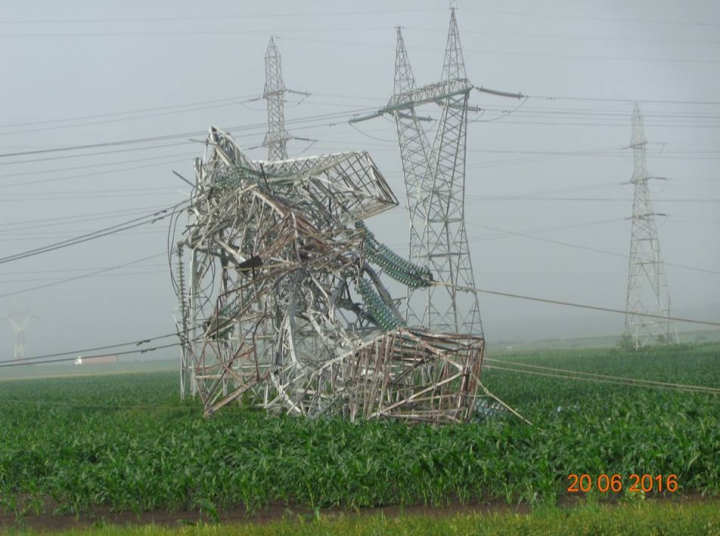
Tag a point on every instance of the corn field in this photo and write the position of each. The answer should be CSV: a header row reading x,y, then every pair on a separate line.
x,y
126,442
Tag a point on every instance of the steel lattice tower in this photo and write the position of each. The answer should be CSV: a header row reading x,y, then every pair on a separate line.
x,y
415,153
647,291
274,93
276,137
435,188
19,322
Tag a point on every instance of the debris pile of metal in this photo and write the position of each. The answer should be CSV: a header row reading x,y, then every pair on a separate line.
x,y
286,307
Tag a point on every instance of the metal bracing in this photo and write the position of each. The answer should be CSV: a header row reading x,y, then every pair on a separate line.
x,y
448,251
415,152
435,188
647,291
286,307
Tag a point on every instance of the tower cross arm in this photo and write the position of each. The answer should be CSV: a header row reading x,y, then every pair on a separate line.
x,y
421,95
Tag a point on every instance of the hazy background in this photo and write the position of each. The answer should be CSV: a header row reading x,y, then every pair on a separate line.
x,y
85,72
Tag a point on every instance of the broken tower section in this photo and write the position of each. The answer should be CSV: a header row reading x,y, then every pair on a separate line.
x,y
286,307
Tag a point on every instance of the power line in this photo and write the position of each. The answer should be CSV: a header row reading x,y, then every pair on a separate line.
x,y
28,237
613,380
222,17
117,120
600,58
55,270
138,342
577,305
626,101
593,186
521,54
108,191
81,218
95,146
613,125
145,350
197,32
166,137
89,166
106,172
586,248
705,388
502,232
604,113
143,220
121,274
244,128
229,100
585,37
63,196
559,98
594,18
82,276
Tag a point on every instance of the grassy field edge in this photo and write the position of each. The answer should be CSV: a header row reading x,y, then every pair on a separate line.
x,y
647,518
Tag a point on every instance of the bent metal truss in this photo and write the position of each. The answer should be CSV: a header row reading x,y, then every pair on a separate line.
x,y
286,309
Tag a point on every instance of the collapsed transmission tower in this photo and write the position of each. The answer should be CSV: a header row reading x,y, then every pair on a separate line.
x,y
286,308
647,290
435,187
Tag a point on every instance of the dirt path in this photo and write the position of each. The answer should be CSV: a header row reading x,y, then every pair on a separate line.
x,y
103,516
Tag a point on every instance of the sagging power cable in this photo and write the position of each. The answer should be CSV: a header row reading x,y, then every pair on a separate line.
x,y
568,374
61,360
124,226
571,304
138,342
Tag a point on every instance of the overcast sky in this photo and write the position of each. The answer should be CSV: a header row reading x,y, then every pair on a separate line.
x,y
553,169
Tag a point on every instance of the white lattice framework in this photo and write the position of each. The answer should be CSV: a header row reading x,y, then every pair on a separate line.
x,y
647,290
277,137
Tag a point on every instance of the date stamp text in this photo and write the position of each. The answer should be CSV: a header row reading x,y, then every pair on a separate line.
x,y
616,483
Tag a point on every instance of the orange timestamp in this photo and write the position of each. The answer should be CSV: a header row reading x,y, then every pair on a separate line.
x,y
614,483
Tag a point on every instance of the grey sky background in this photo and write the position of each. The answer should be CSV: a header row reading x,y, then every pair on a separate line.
x,y
87,60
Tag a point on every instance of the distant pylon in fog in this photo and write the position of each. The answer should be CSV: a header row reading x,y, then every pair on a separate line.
x,y
647,290
19,322
277,137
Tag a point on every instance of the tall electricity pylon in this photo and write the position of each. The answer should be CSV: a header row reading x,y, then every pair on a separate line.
x,y
435,188
277,137
647,291
18,322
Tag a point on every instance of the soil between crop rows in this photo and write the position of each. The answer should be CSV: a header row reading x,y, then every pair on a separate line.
x,y
104,516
